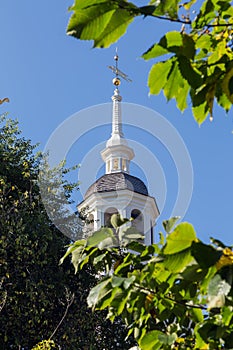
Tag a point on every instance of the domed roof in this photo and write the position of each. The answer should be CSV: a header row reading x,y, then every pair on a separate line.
x,y
115,182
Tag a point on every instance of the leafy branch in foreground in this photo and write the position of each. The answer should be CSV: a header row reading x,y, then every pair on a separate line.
x,y
176,294
195,61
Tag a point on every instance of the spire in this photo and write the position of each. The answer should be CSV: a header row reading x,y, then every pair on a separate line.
x,y
116,114
117,154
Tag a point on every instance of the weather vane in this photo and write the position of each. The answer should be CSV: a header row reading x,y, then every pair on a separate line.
x,y
116,81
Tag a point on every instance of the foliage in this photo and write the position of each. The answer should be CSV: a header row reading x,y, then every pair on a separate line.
x,y
197,60
45,345
38,298
176,294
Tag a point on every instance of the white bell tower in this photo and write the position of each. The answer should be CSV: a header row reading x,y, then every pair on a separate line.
x,y
117,191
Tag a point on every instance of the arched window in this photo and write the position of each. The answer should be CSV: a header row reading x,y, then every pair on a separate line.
x,y
115,164
124,165
138,221
108,166
107,216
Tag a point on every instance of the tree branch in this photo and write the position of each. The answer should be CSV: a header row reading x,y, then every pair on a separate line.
x,y
70,301
202,307
176,20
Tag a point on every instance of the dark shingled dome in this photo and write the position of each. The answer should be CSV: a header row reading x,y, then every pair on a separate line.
x,y
117,181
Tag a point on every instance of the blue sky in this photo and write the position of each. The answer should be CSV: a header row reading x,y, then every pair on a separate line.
x,y
49,76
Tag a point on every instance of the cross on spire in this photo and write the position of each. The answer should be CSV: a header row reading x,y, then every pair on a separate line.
x,y
116,81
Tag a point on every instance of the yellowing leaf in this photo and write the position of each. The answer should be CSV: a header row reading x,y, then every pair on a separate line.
x,y
226,259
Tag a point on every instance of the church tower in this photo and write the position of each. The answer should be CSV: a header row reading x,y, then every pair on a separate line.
x,y
117,191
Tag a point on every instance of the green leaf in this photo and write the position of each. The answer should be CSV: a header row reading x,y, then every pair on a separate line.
x,y
171,88
128,281
115,28
181,98
129,235
180,239
172,42
155,51
197,314
117,220
102,21
166,7
200,112
227,314
88,22
71,248
176,86
150,341
117,281
136,246
223,100
99,258
177,262
98,292
194,273
167,339
158,76
120,300
188,47
188,72
169,224
217,290
78,256
201,251
102,238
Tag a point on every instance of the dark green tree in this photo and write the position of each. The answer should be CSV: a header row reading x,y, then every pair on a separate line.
x,y
39,299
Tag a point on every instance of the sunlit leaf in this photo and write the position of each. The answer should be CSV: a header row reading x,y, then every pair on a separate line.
x,y
98,292
217,290
200,112
158,76
150,341
117,220
101,21
178,261
130,234
180,239
101,236
155,51
115,28
169,224
167,339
